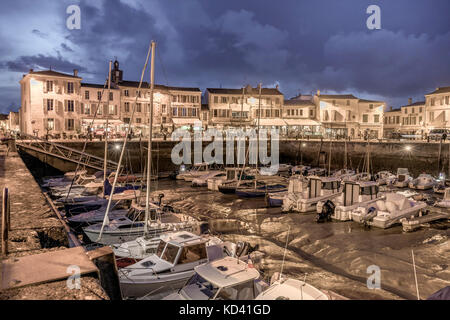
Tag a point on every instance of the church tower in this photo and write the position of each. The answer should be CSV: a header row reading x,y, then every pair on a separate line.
x,y
116,74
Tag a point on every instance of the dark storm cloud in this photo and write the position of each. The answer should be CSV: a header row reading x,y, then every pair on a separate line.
x,y
25,63
301,45
39,33
65,47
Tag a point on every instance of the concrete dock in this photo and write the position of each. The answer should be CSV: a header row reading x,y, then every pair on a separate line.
x,y
35,230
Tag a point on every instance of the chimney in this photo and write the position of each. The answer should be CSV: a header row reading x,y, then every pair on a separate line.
x,y
318,92
31,70
409,100
75,72
276,87
390,108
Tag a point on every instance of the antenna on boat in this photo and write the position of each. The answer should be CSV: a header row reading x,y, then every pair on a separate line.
x,y
415,275
285,249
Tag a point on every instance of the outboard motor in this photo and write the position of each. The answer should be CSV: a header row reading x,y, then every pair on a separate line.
x,y
371,213
204,228
242,248
160,196
327,211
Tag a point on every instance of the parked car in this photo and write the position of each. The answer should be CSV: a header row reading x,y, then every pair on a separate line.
x,y
436,134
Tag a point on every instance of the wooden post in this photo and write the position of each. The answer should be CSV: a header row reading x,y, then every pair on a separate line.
x,y
5,222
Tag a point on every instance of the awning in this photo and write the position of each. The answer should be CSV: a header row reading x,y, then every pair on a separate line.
x,y
270,122
301,122
185,121
102,121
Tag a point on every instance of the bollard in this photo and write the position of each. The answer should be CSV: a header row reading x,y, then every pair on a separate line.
x,y
5,221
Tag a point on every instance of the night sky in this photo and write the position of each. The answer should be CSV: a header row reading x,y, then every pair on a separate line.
x,y
300,45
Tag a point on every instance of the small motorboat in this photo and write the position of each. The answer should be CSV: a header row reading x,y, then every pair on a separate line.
x,y
130,252
304,194
176,257
385,178
354,195
343,174
292,289
388,211
132,225
232,175
445,202
202,181
403,178
260,190
300,170
275,199
362,176
441,185
422,182
225,279
197,170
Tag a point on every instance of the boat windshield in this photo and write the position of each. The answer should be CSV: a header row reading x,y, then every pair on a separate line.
x,y
170,253
197,288
139,215
369,190
402,171
161,246
331,185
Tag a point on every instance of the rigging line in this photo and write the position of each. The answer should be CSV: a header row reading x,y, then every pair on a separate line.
x,y
163,69
105,219
86,140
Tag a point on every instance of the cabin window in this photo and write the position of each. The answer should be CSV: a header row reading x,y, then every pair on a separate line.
x,y
242,291
160,249
193,253
170,253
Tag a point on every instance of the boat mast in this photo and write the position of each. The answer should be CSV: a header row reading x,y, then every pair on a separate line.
x,y
329,158
106,129
149,156
106,219
257,137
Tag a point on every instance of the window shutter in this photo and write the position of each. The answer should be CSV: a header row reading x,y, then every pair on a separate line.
x,y
65,86
45,86
77,107
44,104
82,108
45,124
65,105
115,109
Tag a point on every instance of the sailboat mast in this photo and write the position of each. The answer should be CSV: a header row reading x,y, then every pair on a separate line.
x,y
106,128
259,118
150,132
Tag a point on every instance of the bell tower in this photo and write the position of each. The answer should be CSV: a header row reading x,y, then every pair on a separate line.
x,y
116,74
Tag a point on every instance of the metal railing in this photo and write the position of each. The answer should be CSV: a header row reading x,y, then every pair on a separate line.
x,y
63,152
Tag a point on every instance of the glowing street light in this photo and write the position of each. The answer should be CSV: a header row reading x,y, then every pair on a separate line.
x,y
117,146
408,148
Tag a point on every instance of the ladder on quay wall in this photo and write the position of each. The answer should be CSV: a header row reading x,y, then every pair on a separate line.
x,y
63,152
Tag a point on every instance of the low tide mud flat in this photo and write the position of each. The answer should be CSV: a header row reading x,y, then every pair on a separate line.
x,y
333,255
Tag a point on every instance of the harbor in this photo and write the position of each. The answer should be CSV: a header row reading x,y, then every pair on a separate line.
x,y
194,152
333,256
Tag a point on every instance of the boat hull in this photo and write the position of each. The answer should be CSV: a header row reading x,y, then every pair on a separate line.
x,y
157,285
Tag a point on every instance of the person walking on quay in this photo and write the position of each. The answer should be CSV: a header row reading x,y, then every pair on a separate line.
x,y
444,136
